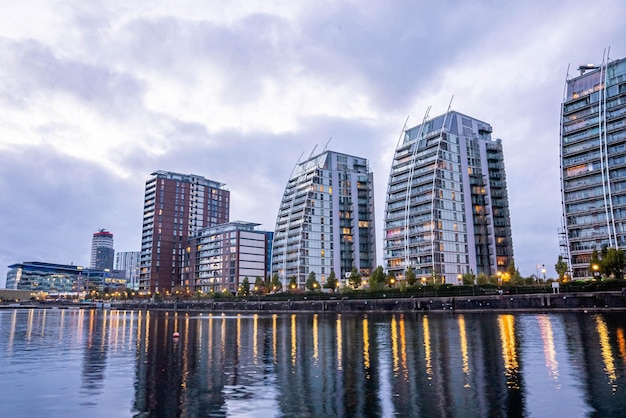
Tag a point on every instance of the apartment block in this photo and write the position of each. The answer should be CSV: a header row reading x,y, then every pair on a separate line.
x,y
447,210
593,162
175,206
326,220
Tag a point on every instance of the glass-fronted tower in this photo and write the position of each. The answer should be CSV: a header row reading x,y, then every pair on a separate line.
x,y
593,162
128,261
447,210
326,220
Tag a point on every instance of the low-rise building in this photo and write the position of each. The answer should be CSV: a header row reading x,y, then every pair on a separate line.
x,y
61,279
220,257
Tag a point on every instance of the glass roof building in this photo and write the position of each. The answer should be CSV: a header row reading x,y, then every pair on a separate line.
x,y
326,220
447,210
593,162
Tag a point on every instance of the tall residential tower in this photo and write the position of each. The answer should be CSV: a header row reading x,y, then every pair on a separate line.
x,y
128,261
326,220
447,210
102,252
593,162
175,206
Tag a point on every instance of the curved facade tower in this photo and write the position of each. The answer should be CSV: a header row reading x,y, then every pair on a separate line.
x,y
447,210
593,162
325,220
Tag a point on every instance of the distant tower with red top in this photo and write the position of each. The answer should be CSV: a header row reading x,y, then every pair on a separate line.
x,y
102,252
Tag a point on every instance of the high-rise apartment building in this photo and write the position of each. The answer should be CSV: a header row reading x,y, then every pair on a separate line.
x,y
447,210
102,252
593,162
326,220
220,257
175,206
128,261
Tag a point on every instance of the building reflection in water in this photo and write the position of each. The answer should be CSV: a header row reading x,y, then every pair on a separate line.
x,y
324,364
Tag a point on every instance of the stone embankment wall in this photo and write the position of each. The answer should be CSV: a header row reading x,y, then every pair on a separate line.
x,y
505,302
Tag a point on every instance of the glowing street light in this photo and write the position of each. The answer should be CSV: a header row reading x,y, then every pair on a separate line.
x,y
596,271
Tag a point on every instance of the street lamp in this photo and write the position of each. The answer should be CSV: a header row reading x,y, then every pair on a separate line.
x,y
596,271
543,271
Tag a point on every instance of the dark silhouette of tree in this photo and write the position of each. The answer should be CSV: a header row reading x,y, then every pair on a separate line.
x,y
293,283
277,286
355,278
311,282
331,282
259,286
561,267
410,276
378,278
613,263
245,286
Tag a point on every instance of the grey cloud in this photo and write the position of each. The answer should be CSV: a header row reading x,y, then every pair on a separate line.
x,y
36,70
52,204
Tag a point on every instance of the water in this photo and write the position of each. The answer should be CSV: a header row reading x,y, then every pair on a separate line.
x,y
87,363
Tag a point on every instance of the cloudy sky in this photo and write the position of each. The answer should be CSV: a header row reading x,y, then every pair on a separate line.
x,y
96,95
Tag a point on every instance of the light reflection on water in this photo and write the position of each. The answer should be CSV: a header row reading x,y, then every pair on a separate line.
x,y
75,363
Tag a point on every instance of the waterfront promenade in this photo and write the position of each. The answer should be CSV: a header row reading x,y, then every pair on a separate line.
x,y
543,302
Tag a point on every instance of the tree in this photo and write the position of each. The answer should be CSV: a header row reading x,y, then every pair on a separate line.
x,y
391,279
482,279
512,273
331,282
355,278
259,286
293,283
277,286
595,264
468,278
245,287
410,276
561,267
613,263
378,278
311,282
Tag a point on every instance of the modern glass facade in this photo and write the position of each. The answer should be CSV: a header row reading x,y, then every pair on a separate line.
x,y
61,279
593,162
447,210
326,220
128,261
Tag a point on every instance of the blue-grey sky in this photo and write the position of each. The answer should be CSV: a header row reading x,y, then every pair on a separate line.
x,y
96,95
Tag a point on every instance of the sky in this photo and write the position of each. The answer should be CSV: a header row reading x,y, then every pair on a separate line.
x,y
97,95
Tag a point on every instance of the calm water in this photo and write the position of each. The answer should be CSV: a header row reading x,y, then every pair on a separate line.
x,y
71,363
